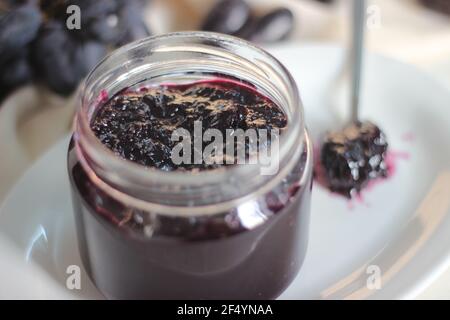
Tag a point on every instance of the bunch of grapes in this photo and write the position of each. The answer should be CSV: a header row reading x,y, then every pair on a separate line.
x,y
37,44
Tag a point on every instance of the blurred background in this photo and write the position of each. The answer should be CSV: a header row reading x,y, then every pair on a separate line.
x,y
56,42
44,56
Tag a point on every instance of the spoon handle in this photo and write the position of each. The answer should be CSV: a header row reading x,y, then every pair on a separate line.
x,y
358,28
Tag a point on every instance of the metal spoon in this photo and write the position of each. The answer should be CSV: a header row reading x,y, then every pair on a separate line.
x,y
344,96
356,54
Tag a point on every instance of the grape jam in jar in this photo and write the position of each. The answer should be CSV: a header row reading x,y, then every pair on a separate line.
x,y
211,227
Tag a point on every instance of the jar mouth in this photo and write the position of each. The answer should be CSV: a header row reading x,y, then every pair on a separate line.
x,y
146,55
180,210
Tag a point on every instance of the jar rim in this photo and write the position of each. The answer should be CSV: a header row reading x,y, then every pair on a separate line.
x,y
97,153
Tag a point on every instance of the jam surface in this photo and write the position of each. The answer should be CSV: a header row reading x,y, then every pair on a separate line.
x,y
138,124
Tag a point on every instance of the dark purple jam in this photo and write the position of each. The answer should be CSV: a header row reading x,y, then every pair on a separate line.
x,y
354,156
138,124
252,251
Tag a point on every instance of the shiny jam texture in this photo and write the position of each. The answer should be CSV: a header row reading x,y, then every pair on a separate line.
x,y
138,124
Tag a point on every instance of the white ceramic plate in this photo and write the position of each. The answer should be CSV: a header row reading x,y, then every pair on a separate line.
x,y
400,228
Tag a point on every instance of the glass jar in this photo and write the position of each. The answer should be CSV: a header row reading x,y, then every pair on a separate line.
x,y
227,233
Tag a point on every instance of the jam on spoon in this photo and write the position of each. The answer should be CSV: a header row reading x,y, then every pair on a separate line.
x,y
353,156
356,154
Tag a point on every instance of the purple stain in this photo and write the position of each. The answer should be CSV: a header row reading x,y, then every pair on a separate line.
x,y
392,158
408,137
102,97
